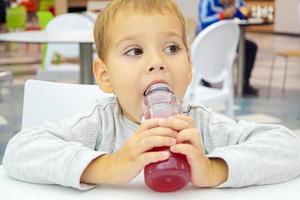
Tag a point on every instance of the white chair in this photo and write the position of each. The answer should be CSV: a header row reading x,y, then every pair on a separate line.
x,y
212,54
64,71
91,15
286,54
52,101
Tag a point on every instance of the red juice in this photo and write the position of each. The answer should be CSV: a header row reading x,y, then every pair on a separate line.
x,y
174,173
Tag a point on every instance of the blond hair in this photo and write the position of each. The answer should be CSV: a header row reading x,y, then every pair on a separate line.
x,y
146,6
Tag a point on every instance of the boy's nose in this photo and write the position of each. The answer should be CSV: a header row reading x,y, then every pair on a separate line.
x,y
156,62
156,68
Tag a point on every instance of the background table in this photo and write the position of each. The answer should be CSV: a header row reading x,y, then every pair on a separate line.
x,y
11,189
83,38
241,51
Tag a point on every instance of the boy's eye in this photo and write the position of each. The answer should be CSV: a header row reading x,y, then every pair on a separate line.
x,y
172,49
134,52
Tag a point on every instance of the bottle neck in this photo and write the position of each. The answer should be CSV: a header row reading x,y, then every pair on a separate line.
x,y
158,87
160,102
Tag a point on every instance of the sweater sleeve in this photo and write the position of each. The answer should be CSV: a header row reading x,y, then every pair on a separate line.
x,y
239,14
255,153
207,15
54,153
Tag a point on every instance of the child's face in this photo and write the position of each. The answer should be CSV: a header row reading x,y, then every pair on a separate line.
x,y
143,48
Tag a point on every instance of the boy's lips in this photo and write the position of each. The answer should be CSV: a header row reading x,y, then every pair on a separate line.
x,y
154,82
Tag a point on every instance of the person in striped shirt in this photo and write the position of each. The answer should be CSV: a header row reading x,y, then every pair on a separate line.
x,y
212,11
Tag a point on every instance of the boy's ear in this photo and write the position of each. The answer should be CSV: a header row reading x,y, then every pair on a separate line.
x,y
102,76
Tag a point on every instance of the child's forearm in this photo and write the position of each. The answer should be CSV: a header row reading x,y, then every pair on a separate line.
x,y
220,171
98,171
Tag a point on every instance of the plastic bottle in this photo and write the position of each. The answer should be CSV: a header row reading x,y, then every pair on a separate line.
x,y
174,173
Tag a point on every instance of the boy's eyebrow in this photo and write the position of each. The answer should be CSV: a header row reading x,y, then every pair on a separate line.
x,y
130,37
174,33
133,37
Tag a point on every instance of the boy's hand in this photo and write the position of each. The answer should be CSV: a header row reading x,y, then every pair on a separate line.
x,y
245,11
125,164
134,155
229,12
205,172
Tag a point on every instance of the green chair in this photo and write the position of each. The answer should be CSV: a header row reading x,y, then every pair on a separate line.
x,y
16,18
43,18
46,4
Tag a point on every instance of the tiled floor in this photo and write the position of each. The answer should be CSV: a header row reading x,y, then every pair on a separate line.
x,y
283,107
279,108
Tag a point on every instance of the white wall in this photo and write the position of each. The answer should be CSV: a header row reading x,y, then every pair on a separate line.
x,y
287,16
189,8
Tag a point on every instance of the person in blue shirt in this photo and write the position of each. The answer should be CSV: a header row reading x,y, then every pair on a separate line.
x,y
212,11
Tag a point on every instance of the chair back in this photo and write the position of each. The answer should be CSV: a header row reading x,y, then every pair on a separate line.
x,y
16,18
52,101
46,5
66,22
213,52
44,17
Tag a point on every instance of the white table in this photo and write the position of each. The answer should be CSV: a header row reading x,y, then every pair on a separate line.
x,y
83,38
241,51
11,189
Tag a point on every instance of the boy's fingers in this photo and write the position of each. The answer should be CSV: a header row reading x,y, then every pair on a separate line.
x,y
148,124
186,149
189,119
174,123
159,131
149,143
190,135
151,157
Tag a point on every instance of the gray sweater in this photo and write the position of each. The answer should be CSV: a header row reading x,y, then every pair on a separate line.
x,y
58,153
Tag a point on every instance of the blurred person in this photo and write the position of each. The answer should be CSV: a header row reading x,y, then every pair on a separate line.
x,y
211,11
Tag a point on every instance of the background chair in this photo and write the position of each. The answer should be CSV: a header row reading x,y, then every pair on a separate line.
x,y
7,108
91,15
43,18
286,55
16,17
212,53
47,5
50,101
66,71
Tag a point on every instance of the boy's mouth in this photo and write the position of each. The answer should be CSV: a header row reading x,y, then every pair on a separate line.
x,y
152,83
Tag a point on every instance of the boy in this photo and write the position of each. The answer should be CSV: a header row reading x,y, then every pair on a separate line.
x,y
139,43
211,11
